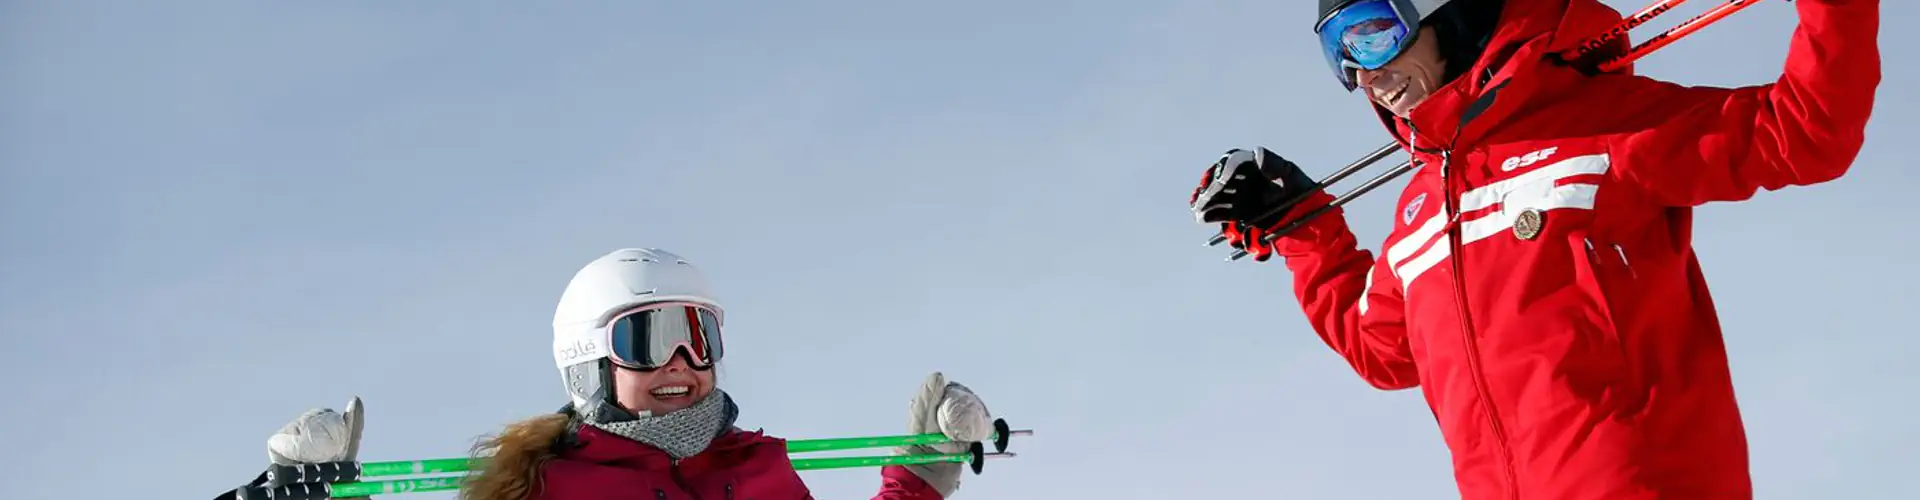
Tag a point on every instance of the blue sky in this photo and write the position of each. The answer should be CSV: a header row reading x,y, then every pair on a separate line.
x,y
216,214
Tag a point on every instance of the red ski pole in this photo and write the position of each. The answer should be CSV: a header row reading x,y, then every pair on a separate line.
x,y
1675,33
1585,48
1619,30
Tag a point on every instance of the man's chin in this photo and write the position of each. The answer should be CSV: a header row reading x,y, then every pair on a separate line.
x,y
1403,108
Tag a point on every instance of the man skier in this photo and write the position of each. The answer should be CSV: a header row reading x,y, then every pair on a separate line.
x,y
1539,282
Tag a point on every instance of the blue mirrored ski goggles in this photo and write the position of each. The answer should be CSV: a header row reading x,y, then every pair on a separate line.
x,y
1365,34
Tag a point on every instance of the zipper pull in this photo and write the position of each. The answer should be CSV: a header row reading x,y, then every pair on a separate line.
x,y
1623,261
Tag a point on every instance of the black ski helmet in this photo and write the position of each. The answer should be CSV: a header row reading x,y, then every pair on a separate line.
x,y
1462,27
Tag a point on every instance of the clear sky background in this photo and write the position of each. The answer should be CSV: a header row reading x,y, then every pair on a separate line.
x,y
217,214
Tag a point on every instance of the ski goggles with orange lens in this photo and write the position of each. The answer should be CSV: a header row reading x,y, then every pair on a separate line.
x,y
1366,34
647,338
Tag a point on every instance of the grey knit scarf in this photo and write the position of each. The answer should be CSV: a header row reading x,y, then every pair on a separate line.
x,y
683,433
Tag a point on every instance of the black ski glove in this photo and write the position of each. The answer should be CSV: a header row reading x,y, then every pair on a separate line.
x,y
1240,189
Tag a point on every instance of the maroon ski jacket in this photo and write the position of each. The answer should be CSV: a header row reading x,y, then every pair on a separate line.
x,y
740,465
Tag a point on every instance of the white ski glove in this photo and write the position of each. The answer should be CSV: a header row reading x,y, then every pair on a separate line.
x,y
319,435
952,409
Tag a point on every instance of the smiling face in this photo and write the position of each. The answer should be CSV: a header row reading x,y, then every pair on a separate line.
x,y
673,387
1408,79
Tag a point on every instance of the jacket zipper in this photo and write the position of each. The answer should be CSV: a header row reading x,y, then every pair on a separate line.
x,y
674,471
1466,326
1624,262
1604,263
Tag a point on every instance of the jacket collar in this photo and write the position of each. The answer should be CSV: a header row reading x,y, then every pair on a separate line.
x,y
1519,66
590,444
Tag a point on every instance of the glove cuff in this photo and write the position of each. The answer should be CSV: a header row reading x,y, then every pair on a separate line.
x,y
944,478
1312,237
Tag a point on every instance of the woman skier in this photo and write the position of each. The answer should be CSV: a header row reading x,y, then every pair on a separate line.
x,y
1539,282
636,337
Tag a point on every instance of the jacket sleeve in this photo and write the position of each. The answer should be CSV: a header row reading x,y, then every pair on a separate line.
x,y
1805,128
898,483
1353,302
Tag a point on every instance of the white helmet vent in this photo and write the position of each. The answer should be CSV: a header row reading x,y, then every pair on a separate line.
x,y
651,259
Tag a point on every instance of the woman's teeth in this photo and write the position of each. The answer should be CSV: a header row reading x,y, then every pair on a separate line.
x,y
671,391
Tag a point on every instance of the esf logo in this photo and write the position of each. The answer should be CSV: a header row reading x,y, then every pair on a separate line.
x,y
1527,159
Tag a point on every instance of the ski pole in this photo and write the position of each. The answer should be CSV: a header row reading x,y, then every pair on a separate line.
x,y
342,472
1344,172
319,490
976,459
1580,51
1619,30
999,438
1675,33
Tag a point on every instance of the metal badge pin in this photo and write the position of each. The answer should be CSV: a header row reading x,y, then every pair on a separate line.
x,y
1528,223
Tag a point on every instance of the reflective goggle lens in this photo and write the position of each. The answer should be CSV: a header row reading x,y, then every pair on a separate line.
x,y
1364,35
647,338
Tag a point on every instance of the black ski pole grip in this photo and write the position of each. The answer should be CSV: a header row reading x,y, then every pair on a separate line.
x,y
305,491
1002,433
325,472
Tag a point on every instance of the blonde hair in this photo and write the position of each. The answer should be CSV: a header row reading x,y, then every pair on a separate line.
x,y
513,459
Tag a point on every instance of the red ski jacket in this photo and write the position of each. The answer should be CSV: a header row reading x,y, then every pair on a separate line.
x,y
738,466
1539,283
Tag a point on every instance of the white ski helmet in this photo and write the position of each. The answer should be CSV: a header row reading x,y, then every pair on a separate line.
x,y
607,286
